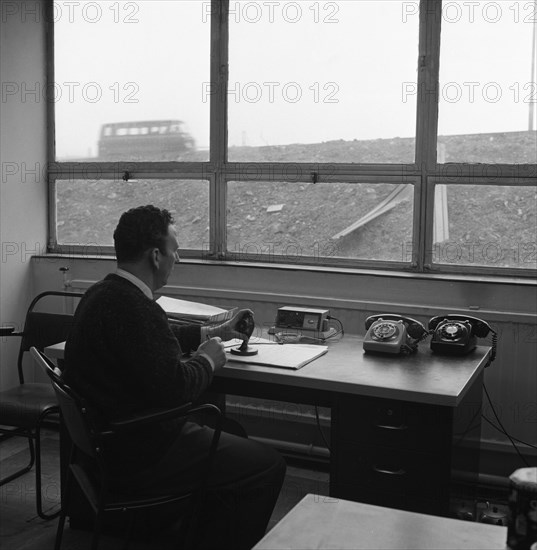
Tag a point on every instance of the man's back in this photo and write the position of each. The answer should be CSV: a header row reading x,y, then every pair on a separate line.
x,y
122,356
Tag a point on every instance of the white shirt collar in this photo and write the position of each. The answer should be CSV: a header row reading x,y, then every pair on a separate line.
x,y
135,281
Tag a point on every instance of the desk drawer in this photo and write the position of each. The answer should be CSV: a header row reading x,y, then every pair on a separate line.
x,y
391,470
392,423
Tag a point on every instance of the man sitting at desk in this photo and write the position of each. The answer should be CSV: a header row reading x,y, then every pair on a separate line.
x,y
125,358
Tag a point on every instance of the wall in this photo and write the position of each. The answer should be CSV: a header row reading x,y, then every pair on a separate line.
x,y
508,305
23,192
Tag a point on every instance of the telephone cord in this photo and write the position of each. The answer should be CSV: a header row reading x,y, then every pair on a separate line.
x,y
320,429
503,428
340,331
505,433
493,350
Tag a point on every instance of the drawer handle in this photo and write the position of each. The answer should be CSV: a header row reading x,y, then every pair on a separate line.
x,y
400,472
388,427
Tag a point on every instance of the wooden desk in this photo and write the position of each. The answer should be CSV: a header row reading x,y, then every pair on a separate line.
x,y
318,522
400,425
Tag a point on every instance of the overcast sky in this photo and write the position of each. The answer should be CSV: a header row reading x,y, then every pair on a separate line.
x,y
300,72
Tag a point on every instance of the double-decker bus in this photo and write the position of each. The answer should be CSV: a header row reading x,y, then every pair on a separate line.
x,y
145,140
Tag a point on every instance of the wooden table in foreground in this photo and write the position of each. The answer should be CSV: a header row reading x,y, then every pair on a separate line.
x,y
405,430
319,522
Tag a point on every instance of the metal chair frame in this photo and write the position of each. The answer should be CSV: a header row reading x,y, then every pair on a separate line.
x,y
90,439
36,397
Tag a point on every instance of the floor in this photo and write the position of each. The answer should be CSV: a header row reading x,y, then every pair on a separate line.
x,y
22,529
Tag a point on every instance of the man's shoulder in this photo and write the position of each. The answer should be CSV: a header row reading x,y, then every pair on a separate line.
x,y
115,298
112,283
114,289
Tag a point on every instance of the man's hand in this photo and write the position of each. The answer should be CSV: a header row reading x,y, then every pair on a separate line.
x,y
240,326
214,349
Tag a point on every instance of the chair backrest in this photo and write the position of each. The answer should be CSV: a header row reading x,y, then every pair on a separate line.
x,y
43,329
73,410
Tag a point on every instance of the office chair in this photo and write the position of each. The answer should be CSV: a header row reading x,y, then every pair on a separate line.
x,y
87,438
24,408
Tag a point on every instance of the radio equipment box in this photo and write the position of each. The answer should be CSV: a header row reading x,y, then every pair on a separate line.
x,y
303,320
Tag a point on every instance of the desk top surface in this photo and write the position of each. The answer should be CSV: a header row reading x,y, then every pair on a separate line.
x,y
319,522
422,377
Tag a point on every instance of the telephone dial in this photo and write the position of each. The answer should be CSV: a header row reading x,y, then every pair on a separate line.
x,y
390,333
457,334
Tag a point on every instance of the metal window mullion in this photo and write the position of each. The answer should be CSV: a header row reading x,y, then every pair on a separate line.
x,y
428,79
489,174
52,237
427,124
218,214
136,170
218,132
324,172
464,180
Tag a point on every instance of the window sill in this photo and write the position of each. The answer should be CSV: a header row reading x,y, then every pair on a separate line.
x,y
525,280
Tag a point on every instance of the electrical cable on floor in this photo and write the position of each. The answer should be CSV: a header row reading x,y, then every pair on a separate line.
x,y
503,432
503,428
469,427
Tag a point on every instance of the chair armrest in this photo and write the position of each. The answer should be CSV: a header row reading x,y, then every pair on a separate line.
x,y
161,415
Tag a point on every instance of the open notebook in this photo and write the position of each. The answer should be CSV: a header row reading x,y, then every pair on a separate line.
x,y
272,354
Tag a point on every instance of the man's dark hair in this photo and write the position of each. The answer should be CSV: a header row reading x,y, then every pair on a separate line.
x,y
139,229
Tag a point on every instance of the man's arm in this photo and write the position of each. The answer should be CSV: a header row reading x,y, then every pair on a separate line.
x,y
241,326
188,336
155,358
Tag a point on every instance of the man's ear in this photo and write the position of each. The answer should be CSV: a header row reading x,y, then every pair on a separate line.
x,y
154,257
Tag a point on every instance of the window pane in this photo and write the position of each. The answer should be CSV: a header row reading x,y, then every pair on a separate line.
x,y
485,225
487,83
88,210
336,220
125,63
308,81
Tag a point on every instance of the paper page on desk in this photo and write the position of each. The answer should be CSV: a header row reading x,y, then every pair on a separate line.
x,y
194,311
272,354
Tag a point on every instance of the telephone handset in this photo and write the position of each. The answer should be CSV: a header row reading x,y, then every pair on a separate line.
x,y
456,334
390,333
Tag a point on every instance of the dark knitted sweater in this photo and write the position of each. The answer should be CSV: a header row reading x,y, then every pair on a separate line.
x,y
123,356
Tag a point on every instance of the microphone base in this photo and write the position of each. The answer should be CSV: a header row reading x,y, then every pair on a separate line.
x,y
249,351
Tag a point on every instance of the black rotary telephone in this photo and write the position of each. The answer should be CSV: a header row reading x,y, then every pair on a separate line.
x,y
390,333
457,334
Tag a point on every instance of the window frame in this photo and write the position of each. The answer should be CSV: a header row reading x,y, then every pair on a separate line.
x,y
374,179
424,173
